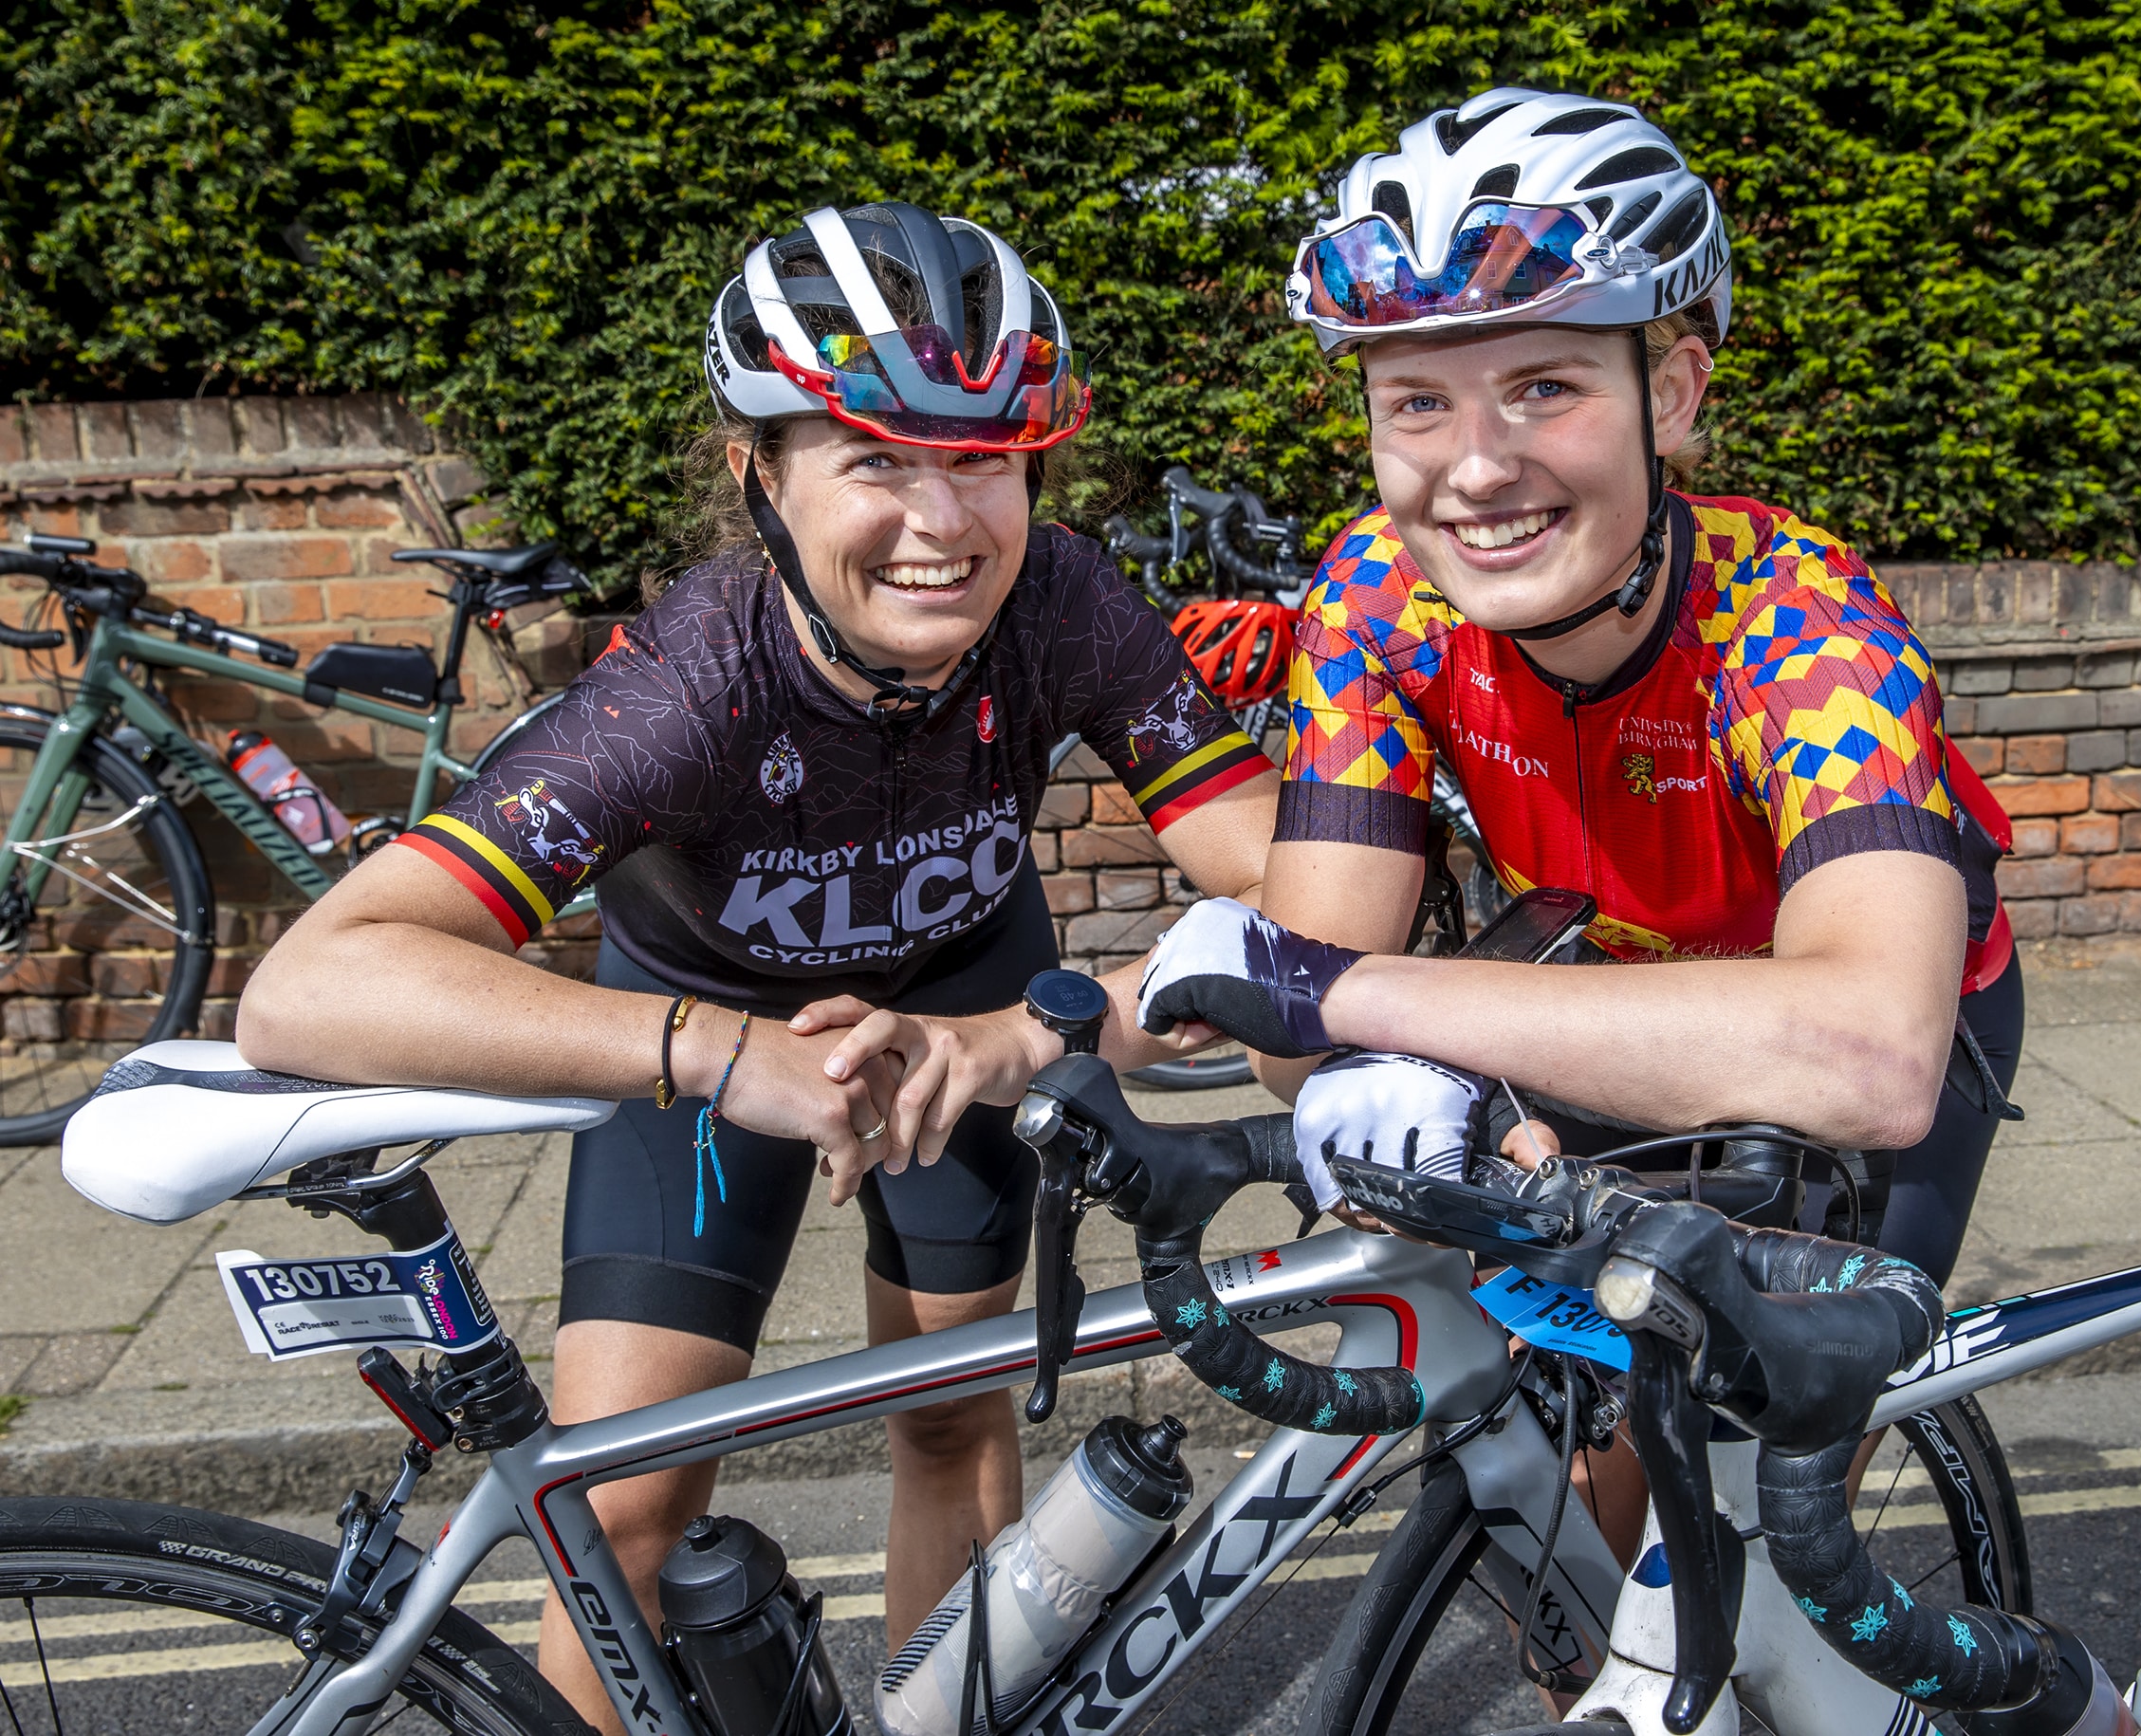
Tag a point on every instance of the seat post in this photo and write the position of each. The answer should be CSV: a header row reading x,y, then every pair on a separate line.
x,y
465,595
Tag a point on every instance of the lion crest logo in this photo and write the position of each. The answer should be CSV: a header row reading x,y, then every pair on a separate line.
x,y
780,773
1641,771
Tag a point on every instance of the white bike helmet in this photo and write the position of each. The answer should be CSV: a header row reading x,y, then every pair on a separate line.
x,y
1521,207
981,362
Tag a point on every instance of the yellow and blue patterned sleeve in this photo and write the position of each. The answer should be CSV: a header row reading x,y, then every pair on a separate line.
x,y
1359,755
1829,713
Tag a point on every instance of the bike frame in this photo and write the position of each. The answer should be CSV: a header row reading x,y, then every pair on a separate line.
x,y
1396,1303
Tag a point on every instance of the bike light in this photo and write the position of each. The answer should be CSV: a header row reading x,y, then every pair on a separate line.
x,y
1040,1119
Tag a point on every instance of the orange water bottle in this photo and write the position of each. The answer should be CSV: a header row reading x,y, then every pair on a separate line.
x,y
304,810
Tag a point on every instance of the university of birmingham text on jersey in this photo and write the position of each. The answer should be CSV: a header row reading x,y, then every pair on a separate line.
x,y
947,878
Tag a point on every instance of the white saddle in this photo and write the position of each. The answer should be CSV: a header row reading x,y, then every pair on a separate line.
x,y
179,1127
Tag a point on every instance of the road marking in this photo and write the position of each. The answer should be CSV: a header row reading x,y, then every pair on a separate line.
x,y
2049,1505
117,1666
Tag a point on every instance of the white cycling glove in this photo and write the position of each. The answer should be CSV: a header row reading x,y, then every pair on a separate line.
x,y
1225,965
1398,1111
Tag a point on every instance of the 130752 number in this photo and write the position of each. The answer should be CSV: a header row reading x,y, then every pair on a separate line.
x,y
321,1277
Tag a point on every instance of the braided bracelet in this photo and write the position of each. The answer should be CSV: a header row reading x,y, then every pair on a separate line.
x,y
704,1157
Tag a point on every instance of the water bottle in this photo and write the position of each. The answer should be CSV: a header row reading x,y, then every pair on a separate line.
x,y
291,797
737,1625
1090,1529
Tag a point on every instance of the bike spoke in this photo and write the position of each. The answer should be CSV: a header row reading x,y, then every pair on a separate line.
x,y
1954,1558
44,1665
1886,1495
7,1702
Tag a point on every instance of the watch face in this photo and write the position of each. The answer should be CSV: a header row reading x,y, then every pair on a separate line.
x,y
1064,997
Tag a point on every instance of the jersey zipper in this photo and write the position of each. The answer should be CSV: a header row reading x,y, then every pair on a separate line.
x,y
1573,694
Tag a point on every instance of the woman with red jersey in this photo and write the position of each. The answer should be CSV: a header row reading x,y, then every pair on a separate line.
x,y
1705,713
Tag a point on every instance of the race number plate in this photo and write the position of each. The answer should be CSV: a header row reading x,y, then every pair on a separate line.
x,y
301,1307
1554,1316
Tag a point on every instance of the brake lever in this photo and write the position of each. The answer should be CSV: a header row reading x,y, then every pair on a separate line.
x,y
1672,1429
1074,1007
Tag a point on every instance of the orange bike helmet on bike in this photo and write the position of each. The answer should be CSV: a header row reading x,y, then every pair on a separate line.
x,y
1241,648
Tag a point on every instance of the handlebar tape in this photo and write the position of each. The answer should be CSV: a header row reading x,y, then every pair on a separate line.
x,y
1960,1659
24,639
1240,1367
34,566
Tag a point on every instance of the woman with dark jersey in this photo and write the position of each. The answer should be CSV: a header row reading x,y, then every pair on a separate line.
x,y
804,777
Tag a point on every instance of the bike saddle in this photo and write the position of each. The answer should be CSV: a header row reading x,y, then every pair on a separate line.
x,y
179,1127
505,563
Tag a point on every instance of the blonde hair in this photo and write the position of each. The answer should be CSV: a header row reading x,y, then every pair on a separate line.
x,y
1659,337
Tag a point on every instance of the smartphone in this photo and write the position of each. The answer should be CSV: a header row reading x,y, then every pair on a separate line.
x,y
1535,926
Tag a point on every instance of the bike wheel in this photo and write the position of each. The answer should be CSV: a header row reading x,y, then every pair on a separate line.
x,y
1195,1073
1937,1507
122,1618
115,951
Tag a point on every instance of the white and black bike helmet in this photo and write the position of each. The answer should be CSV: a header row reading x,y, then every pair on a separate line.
x,y
918,329
1521,206
1524,208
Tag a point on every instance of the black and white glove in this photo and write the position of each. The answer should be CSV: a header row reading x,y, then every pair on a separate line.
x,y
1225,965
1398,1111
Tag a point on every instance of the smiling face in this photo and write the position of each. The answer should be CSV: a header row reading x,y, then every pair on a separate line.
x,y
1511,461
910,550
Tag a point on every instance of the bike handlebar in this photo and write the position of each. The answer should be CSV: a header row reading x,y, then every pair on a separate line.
x,y
1203,502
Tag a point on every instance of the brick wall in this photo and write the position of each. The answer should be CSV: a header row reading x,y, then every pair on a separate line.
x,y
280,514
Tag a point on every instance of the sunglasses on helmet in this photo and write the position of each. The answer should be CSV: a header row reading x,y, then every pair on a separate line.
x,y
911,386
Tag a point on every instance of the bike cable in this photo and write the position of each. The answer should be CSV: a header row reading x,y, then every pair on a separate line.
x,y
1553,1681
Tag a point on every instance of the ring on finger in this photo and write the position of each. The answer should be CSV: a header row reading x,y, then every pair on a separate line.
x,y
875,1133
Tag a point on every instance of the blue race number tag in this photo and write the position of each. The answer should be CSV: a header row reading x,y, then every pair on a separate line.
x,y
1554,1316
301,1307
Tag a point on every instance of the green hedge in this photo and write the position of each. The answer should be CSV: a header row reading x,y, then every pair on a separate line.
x,y
519,213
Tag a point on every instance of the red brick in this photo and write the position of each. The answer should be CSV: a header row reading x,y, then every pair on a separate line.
x,y
2130,911
2044,796
1063,805
2096,915
2046,876
229,973
280,603
219,1021
93,1020
2034,918
2037,837
225,702
1068,893
1987,753
1045,855
1112,806
1105,846
382,600
26,1020
352,509
2130,832
332,735
223,602
377,557
2088,833
271,512
2115,873
126,975
1129,931
1124,889
54,521
132,516
282,557
173,559
14,445
50,973
469,736
2036,754
2118,792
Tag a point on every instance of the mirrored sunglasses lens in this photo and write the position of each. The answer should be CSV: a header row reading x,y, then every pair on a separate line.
x,y
1501,256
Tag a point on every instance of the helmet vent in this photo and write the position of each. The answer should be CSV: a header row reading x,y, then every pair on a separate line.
x,y
1677,231
1455,134
1601,208
1393,201
1580,120
1497,183
1632,219
1630,166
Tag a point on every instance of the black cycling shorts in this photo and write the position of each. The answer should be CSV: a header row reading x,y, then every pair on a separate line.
x,y
637,1186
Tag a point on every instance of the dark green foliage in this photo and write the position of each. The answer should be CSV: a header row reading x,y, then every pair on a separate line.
x,y
519,213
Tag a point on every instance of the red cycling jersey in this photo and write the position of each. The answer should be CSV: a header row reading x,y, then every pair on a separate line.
x,y
1779,715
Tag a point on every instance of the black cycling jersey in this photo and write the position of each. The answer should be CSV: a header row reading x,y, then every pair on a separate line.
x,y
760,839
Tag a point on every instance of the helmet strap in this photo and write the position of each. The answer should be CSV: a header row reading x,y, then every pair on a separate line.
x,y
1631,595
894,699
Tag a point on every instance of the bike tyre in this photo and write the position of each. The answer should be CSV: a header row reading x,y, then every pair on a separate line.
x,y
252,1577
1194,1074
1368,1670
185,966
508,738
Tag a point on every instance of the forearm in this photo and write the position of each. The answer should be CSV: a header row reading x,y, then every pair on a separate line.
x,y
1813,1043
393,1003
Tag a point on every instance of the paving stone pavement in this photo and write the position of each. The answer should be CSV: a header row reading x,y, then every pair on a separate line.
x,y
132,1379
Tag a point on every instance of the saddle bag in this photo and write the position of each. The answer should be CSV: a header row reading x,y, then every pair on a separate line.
x,y
402,674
